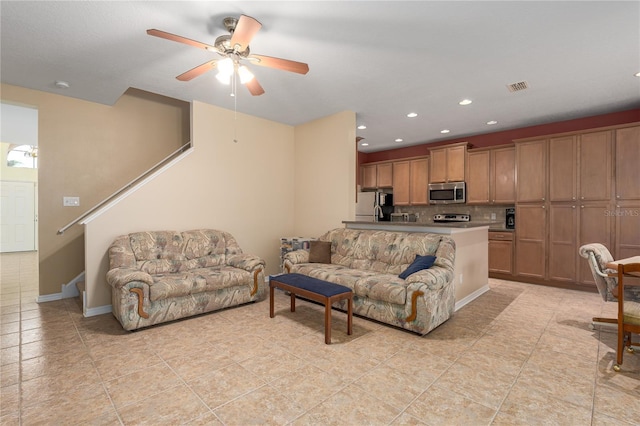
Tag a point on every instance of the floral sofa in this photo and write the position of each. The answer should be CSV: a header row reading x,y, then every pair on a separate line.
x,y
369,263
165,275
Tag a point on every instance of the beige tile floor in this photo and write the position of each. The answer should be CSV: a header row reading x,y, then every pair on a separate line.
x,y
519,354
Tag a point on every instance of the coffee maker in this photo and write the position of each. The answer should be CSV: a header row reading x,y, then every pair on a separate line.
x,y
510,218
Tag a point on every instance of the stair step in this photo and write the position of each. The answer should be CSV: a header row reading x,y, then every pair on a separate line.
x,y
80,286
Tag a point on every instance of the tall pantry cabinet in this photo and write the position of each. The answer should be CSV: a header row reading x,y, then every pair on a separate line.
x,y
574,189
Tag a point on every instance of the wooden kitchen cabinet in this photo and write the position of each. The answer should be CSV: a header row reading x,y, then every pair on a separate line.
x,y
491,176
410,181
478,176
377,176
401,183
627,235
503,175
531,170
531,231
419,172
563,168
369,177
563,247
447,164
580,167
627,164
501,252
595,226
596,164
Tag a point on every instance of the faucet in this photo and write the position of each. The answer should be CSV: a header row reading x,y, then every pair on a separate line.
x,y
377,212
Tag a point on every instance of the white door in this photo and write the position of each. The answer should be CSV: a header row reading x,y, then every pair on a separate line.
x,y
17,216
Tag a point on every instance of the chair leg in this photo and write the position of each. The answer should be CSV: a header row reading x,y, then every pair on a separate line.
x,y
621,336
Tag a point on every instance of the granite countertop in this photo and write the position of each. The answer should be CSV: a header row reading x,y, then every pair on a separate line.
x,y
493,226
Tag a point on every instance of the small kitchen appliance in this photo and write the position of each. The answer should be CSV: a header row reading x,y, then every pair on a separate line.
x,y
451,217
510,222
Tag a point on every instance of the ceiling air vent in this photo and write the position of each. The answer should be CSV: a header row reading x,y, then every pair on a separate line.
x,y
516,87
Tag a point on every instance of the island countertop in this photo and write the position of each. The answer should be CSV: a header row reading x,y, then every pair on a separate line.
x,y
436,228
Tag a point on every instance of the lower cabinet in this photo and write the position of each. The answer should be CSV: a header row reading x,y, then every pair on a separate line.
x,y
501,252
531,230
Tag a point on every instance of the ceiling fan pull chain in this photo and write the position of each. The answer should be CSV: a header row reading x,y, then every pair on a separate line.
x,y
235,110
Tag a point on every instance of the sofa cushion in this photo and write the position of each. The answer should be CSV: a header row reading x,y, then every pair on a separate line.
x,y
157,245
205,243
336,274
380,251
319,251
384,287
197,281
420,263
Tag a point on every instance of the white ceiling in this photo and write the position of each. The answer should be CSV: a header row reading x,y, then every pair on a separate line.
x,y
381,60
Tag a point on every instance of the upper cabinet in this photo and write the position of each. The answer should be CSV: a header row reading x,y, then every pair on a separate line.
x,y
377,176
369,176
628,163
490,176
410,181
531,169
448,163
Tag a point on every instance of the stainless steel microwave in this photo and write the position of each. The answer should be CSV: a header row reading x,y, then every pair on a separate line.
x,y
447,193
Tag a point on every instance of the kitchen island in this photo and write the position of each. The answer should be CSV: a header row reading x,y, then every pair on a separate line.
x,y
471,271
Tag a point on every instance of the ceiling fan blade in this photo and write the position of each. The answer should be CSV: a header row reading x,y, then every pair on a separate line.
x,y
281,64
180,39
194,72
254,87
246,28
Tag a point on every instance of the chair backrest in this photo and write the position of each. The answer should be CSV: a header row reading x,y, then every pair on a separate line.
x,y
598,256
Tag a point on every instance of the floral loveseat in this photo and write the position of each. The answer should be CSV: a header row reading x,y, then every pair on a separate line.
x,y
165,275
369,263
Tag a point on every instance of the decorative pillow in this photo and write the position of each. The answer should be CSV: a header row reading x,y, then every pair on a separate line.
x,y
420,263
319,251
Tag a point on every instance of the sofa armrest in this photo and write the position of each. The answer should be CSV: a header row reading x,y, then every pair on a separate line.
x,y
245,261
297,256
434,278
119,277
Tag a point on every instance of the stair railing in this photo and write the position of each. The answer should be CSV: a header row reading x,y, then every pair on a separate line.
x,y
129,185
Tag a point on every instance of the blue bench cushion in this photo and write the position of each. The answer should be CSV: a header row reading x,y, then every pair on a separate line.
x,y
314,285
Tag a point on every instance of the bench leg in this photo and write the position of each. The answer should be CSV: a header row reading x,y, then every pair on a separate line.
x,y
271,314
349,316
327,322
293,302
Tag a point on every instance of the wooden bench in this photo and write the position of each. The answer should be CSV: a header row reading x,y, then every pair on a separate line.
x,y
313,289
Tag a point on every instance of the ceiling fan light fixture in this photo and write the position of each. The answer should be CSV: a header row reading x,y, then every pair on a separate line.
x,y
226,66
223,78
245,75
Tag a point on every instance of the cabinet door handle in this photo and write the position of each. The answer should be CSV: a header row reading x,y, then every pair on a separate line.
x,y
582,207
542,198
573,207
617,196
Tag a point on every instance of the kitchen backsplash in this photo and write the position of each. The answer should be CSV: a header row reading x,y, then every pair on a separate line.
x,y
477,213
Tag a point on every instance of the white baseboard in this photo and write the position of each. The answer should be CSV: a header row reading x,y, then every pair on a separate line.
x,y
471,297
49,298
92,312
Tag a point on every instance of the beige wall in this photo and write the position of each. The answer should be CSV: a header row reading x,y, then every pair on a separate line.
x,y
325,169
91,150
245,188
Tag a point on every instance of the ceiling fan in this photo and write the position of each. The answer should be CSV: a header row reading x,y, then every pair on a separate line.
x,y
234,48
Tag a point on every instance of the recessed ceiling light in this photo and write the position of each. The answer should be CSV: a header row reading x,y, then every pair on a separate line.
x,y
364,144
412,114
445,131
465,102
492,122
637,74
62,84
398,140
362,127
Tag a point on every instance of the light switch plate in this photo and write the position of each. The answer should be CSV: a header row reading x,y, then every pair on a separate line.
x,y
493,216
71,201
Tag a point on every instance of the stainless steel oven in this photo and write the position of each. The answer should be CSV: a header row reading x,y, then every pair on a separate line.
x,y
447,193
